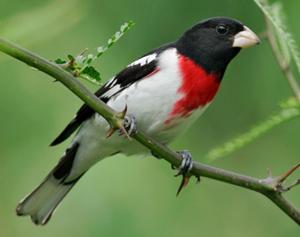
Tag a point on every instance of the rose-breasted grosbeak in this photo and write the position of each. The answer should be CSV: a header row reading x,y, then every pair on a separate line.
x,y
165,90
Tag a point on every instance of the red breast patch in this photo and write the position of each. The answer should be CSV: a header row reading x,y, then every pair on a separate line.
x,y
197,88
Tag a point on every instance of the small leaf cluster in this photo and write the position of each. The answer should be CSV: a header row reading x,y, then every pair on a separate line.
x,y
81,65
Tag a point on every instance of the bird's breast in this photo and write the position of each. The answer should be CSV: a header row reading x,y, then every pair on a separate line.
x,y
197,89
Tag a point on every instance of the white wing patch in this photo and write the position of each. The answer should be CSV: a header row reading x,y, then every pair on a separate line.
x,y
111,82
115,89
144,60
141,62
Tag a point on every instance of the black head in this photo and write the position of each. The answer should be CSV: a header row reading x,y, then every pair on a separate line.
x,y
212,43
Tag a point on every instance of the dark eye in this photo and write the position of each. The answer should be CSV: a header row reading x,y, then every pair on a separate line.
x,y
221,29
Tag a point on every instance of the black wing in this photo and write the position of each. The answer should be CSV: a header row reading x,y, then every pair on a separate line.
x,y
131,74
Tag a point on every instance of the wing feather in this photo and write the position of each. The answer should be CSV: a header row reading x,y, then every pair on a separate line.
x,y
132,73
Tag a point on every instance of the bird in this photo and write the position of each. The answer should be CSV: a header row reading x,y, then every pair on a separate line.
x,y
164,92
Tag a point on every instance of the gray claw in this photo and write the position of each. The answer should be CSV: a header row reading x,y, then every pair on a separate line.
x,y
186,163
184,169
130,124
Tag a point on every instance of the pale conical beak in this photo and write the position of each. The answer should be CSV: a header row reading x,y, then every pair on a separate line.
x,y
245,39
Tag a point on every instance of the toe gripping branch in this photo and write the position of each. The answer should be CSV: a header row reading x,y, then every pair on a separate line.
x,y
127,124
184,169
130,125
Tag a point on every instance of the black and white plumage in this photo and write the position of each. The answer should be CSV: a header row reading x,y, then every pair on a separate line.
x,y
131,74
166,90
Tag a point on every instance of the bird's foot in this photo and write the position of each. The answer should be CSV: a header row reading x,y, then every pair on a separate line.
x,y
130,124
184,169
127,127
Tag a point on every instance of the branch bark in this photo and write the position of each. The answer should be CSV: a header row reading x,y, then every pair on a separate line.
x,y
271,187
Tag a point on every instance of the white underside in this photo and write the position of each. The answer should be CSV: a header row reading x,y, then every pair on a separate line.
x,y
150,101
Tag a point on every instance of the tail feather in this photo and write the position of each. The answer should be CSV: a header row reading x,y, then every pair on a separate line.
x,y
42,202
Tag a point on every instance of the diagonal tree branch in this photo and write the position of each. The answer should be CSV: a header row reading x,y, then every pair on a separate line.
x,y
270,187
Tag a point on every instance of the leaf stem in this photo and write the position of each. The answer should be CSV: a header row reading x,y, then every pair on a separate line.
x,y
283,64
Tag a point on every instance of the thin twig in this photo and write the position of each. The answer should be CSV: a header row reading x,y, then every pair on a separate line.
x,y
284,176
263,186
283,64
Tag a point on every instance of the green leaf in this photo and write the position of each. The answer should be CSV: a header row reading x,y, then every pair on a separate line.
x,y
92,73
80,65
60,61
71,57
113,39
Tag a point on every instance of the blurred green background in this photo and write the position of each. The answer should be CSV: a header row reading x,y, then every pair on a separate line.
x,y
126,196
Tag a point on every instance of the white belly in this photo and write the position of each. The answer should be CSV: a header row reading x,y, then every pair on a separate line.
x,y
151,99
